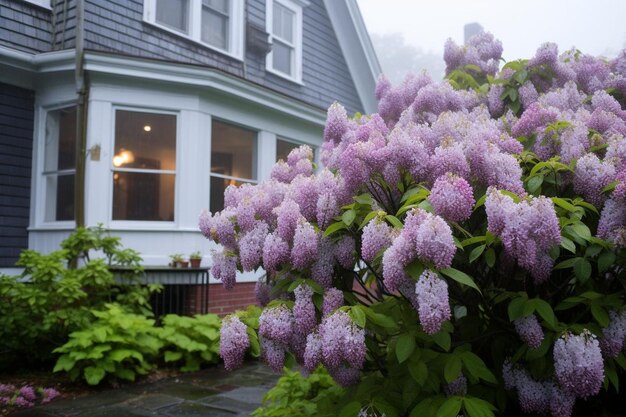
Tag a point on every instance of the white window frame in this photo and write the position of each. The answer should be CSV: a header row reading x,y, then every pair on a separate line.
x,y
42,174
296,7
235,32
144,224
41,3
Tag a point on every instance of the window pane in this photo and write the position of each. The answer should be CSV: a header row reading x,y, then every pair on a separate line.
x,y
214,28
218,186
283,148
233,151
145,140
219,5
281,57
59,197
60,150
173,13
140,196
283,22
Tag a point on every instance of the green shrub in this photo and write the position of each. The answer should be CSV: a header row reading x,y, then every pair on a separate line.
x,y
295,395
190,340
57,293
119,344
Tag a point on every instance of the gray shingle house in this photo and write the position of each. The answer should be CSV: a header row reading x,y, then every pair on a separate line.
x,y
158,105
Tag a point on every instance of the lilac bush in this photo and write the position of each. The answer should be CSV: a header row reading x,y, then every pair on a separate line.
x,y
460,251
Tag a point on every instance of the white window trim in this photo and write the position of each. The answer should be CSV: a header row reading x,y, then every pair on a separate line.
x,y
236,26
296,7
42,174
41,3
144,224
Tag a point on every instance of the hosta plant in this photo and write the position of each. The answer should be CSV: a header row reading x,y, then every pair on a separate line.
x,y
459,252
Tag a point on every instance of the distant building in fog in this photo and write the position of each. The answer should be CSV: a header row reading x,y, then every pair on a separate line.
x,y
472,29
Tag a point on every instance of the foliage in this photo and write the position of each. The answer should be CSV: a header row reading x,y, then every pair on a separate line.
x,y
119,344
195,255
57,292
25,396
190,340
462,251
295,395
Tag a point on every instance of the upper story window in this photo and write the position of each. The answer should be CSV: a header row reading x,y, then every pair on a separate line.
x,y
144,166
218,24
284,24
59,167
42,3
233,159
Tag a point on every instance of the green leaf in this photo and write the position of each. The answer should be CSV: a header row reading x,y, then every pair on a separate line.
x,y
567,244
351,409
358,315
535,183
568,263
476,367
545,311
476,252
563,204
476,407
442,339
170,356
460,277
582,269
334,228
605,261
452,369
423,409
394,221
516,308
450,408
419,371
490,257
600,315
581,230
415,269
405,346
64,363
94,374
472,240
367,219
348,217
365,199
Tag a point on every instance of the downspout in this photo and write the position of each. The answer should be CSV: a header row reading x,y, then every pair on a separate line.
x,y
82,90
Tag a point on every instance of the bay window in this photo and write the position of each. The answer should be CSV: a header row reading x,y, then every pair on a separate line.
x,y
233,159
144,166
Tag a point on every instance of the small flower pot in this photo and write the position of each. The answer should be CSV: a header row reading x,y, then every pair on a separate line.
x,y
195,263
183,264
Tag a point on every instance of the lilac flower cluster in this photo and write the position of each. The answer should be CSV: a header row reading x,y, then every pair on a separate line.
x,y
377,235
614,335
481,50
276,332
529,330
578,364
452,198
234,342
432,300
25,396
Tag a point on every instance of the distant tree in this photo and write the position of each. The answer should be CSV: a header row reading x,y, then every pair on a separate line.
x,y
398,58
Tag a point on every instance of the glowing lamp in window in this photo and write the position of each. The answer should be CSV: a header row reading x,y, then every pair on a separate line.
x,y
124,157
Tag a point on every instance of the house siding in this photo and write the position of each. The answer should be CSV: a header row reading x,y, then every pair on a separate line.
x,y
16,149
117,26
24,26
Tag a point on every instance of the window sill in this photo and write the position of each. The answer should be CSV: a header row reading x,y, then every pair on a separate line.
x,y
43,4
56,226
237,56
284,76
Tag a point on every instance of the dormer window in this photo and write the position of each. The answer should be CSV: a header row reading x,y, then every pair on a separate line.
x,y
284,24
217,24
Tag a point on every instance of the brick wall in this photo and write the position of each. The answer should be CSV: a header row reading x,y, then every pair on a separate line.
x,y
222,301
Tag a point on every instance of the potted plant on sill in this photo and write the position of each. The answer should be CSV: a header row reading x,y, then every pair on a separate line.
x,y
195,259
176,260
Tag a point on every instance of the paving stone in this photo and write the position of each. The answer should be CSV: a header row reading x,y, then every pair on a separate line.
x,y
34,412
118,411
75,406
154,401
230,404
250,395
191,409
185,391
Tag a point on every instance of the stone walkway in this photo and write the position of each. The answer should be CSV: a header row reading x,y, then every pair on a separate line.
x,y
211,392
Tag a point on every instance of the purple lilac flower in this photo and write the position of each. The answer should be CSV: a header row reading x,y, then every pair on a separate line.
x,y
432,298
336,123
578,364
342,341
619,193
224,268
333,299
345,376
547,54
303,190
383,85
275,252
344,252
324,265
449,157
567,99
273,354
7,389
528,94
452,198
508,374
494,102
545,228
49,394
327,209
223,229
498,207
616,152
457,387
377,235
614,335
313,352
205,223
529,330
23,402
304,310
304,251
234,342
395,259
28,393
251,246
482,50
591,176
503,171
434,242
561,402
533,396
277,323
534,116
287,217
262,291
282,172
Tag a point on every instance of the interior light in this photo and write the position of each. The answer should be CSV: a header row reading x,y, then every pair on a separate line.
x,y
118,160
147,128
124,157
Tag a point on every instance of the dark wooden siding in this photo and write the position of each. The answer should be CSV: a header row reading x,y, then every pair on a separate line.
x,y
24,26
117,26
16,149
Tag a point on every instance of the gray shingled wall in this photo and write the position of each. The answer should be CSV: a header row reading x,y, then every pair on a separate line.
x,y
16,149
24,26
